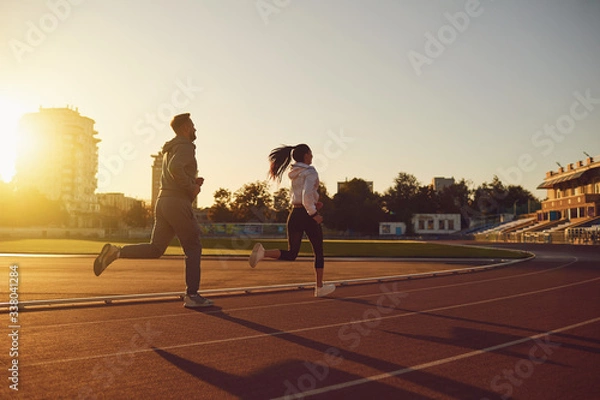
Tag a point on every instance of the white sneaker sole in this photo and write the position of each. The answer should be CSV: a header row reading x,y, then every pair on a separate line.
x,y
258,253
325,290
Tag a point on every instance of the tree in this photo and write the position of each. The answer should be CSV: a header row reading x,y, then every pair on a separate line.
x,y
221,210
281,204
357,208
520,201
400,201
137,216
454,199
328,209
425,200
28,207
496,198
489,197
253,202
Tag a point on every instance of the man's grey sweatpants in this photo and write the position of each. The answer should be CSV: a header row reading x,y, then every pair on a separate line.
x,y
173,217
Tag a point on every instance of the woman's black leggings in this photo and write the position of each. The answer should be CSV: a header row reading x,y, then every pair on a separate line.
x,y
299,222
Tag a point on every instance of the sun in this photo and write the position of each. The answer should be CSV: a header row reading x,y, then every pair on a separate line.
x,y
10,113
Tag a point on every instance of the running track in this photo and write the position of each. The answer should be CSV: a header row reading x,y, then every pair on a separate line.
x,y
527,331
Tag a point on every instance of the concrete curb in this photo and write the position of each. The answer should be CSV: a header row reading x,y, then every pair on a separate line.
x,y
107,300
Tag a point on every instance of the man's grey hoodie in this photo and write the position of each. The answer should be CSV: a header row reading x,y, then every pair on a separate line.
x,y
179,169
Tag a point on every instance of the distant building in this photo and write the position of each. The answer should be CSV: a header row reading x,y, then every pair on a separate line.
x,y
342,185
117,201
424,224
573,193
436,224
392,228
156,173
58,155
438,184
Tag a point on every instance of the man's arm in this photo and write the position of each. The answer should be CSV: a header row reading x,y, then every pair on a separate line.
x,y
181,158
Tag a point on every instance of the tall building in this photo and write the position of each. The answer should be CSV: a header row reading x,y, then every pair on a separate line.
x,y
57,154
438,184
156,173
342,185
117,201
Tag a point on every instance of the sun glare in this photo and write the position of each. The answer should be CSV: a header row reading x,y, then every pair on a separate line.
x,y
10,113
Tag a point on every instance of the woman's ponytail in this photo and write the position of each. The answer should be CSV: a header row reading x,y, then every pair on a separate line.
x,y
281,157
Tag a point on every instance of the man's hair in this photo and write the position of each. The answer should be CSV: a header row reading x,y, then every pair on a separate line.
x,y
179,120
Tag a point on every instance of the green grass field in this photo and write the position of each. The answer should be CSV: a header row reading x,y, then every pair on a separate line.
x,y
242,247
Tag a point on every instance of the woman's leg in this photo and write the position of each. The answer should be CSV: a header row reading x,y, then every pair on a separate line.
x,y
295,230
314,231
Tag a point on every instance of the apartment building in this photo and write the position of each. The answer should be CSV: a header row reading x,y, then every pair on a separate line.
x,y
57,154
117,201
156,174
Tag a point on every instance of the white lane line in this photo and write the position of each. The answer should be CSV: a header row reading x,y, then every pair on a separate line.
x,y
300,303
314,328
430,364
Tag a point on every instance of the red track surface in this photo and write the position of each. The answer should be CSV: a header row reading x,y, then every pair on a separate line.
x,y
530,331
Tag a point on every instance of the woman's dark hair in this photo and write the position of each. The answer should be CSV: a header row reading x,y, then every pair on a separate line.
x,y
281,157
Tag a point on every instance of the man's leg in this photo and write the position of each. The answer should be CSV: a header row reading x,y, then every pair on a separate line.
x,y
180,216
162,234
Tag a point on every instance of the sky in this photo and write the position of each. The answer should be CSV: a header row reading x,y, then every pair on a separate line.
x,y
437,88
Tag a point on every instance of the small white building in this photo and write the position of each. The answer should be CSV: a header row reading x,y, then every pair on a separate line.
x,y
424,224
392,228
436,224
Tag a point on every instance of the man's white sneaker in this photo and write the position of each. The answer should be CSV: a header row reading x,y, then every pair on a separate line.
x,y
108,254
325,290
258,253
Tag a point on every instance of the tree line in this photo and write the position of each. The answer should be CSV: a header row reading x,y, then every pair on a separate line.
x,y
357,209
27,207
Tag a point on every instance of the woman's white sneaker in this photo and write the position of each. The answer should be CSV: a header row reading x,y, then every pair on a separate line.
x,y
325,290
258,253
